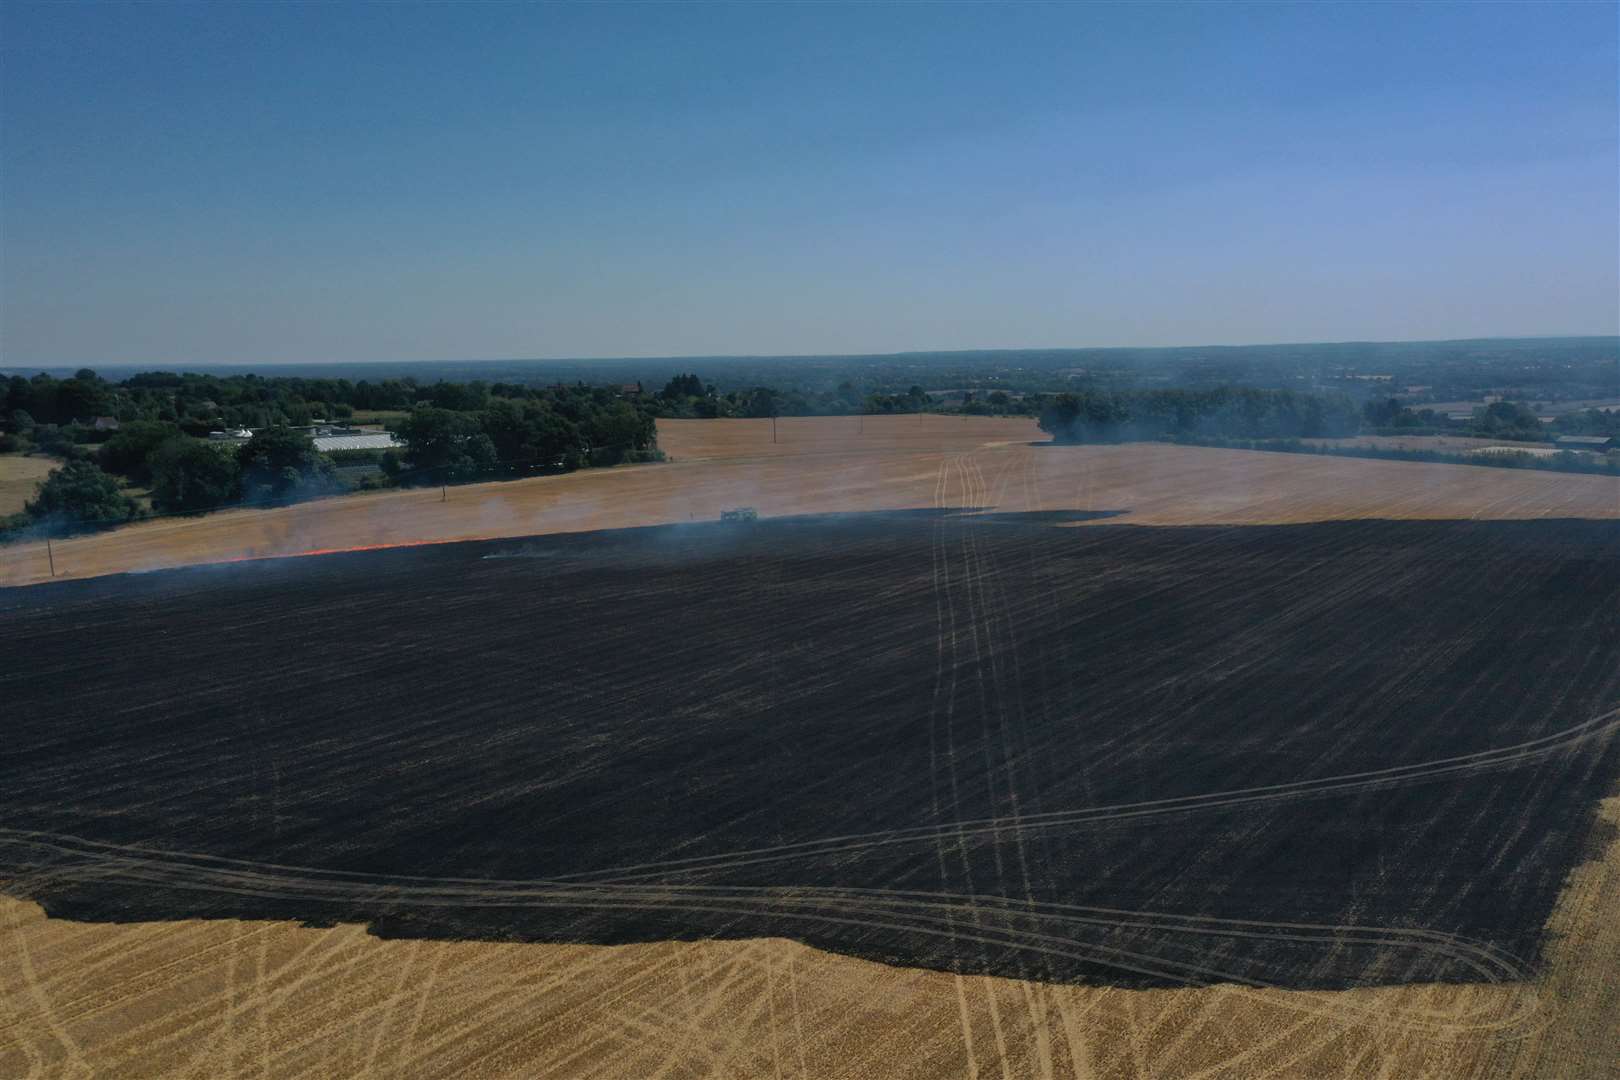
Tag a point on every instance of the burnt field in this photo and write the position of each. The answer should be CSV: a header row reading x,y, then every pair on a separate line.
x,y
1317,755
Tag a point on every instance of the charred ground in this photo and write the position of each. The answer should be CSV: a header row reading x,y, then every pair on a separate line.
x,y
1282,755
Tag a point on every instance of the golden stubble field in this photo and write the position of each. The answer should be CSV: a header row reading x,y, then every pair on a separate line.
x,y
210,999
264,999
847,464
19,476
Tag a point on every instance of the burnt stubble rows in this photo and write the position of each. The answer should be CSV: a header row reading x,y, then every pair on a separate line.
x,y
1318,755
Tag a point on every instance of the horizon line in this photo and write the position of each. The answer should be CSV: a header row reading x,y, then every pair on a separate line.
x,y
10,369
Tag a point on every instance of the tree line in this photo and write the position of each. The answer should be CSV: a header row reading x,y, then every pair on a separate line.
x,y
687,397
1248,413
141,445
1512,421
1102,416
156,454
1563,461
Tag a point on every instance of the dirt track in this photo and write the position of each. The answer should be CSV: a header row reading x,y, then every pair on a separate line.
x,y
830,464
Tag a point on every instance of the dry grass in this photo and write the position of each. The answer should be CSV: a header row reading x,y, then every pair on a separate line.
x,y
843,464
19,476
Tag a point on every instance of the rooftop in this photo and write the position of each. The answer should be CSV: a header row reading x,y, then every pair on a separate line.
x,y
380,440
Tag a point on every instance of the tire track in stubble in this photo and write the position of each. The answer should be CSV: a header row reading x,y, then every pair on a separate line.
x,y
862,914
1014,748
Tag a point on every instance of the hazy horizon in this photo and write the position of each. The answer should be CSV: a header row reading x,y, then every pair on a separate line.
x,y
8,366
243,185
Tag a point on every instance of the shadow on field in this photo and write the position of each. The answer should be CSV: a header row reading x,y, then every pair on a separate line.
x,y
1320,755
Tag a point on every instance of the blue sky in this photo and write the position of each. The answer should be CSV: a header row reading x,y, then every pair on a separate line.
x,y
300,182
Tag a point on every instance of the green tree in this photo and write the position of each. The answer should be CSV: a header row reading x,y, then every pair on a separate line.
x,y
78,399
1085,417
79,493
61,441
1508,419
130,450
761,402
15,397
682,386
444,445
527,435
279,463
188,475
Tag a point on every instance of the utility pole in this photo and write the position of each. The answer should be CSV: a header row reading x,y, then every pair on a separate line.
x,y
444,492
49,555
773,429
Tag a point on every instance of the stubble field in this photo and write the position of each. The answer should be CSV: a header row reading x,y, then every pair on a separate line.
x,y
1296,800
845,464
19,477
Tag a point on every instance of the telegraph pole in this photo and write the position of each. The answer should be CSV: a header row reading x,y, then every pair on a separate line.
x,y
49,555
773,429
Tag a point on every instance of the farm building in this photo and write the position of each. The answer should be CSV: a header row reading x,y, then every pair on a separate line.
x,y
371,440
1592,444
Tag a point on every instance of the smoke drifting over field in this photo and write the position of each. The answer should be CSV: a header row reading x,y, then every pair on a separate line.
x,y
1310,756
829,464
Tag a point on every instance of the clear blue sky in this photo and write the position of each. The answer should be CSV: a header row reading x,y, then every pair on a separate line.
x,y
218,183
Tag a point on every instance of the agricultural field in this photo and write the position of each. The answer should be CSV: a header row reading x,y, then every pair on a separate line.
x,y
1293,799
19,476
839,464
975,756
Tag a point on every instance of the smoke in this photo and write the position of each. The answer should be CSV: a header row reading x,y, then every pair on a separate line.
x,y
826,466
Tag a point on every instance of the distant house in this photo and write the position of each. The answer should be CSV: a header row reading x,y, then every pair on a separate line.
x,y
630,390
104,423
1592,444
